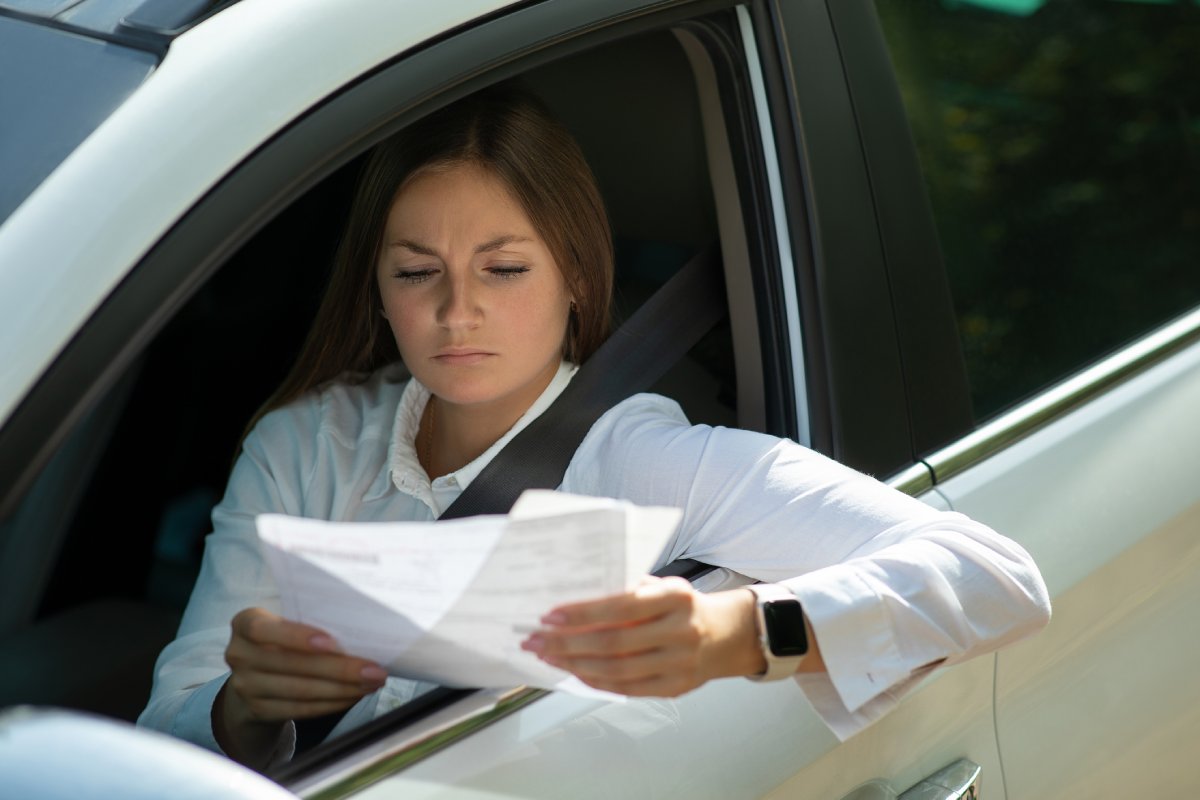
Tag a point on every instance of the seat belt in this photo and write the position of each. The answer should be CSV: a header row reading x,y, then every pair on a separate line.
x,y
637,354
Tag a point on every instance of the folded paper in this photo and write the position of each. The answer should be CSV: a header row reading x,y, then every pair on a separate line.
x,y
450,602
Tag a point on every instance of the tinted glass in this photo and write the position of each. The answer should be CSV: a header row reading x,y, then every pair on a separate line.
x,y
55,89
1060,143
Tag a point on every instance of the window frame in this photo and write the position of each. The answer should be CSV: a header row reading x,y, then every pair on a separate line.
x,y
935,375
858,405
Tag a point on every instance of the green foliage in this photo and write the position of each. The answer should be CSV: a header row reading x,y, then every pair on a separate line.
x,y
1061,152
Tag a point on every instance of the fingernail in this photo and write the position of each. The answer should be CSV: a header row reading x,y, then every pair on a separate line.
x,y
323,642
554,618
534,644
373,674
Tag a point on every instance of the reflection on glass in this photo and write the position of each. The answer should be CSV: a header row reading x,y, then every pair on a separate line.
x,y
1060,143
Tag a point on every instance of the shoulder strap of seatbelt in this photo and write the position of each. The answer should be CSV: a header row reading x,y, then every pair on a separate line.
x,y
637,354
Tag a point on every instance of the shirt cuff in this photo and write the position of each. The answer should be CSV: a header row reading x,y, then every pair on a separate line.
x,y
193,723
858,644
825,700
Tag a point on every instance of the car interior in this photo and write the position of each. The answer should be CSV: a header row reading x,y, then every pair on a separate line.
x,y
100,557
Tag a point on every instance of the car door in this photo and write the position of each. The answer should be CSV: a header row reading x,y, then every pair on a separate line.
x,y
1057,145
814,333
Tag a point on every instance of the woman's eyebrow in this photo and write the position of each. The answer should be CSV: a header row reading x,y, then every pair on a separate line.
x,y
420,249
492,244
500,242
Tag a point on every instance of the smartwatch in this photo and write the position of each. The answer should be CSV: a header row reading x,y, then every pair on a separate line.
x,y
780,630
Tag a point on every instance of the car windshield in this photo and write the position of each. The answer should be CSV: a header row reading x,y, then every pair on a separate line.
x,y
67,69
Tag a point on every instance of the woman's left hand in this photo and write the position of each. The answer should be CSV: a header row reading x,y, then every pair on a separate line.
x,y
661,639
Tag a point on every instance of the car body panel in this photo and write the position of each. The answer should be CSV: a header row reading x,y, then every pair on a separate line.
x,y
89,756
1106,501
667,748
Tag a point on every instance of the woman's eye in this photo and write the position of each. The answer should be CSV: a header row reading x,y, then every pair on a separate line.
x,y
507,271
414,275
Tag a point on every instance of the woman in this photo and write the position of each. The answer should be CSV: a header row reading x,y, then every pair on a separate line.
x,y
478,253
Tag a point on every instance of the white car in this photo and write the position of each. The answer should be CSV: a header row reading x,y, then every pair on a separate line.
x,y
960,244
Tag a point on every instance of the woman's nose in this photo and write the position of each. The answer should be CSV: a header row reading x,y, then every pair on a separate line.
x,y
459,307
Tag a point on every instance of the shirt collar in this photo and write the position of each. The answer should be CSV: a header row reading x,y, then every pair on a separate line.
x,y
410,477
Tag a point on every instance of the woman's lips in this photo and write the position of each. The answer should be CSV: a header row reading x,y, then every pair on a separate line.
x,y
461,358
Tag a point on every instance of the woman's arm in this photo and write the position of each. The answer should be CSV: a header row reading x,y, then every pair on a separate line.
x,y
236,673
281,671
889,585
662,639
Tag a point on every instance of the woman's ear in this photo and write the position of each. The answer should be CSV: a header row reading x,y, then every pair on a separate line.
x,y
383,313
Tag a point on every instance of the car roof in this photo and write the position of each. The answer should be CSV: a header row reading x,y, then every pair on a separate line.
x,y
224,87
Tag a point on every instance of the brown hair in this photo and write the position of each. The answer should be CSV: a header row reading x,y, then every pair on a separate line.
x,y
510,134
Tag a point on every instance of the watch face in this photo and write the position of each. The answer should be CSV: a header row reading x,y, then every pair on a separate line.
x,y
785,628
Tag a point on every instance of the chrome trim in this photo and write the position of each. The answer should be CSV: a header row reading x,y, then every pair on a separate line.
x,y
411,745
1064,397
958,781
915,479
791,299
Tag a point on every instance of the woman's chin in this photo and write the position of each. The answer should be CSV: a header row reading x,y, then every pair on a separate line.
x,y
479,388
466,393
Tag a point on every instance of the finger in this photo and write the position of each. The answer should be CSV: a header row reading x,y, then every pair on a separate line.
x,y
612,641
652,599
262,627
258,686
670,660
630,669
244,656
283,710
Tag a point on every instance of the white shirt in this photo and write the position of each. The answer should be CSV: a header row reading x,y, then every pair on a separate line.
x,y
890,585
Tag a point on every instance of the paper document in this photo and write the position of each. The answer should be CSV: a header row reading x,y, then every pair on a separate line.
x,y
450,602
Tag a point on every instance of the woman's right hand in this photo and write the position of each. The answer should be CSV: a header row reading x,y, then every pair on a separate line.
x,y
283,670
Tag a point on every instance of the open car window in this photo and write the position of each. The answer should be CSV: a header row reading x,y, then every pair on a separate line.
x,y
135,478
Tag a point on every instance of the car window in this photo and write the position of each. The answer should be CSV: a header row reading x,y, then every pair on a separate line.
x,y
101,554
71,83
1060,145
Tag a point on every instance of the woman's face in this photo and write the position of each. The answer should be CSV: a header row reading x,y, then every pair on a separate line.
x,y
476,303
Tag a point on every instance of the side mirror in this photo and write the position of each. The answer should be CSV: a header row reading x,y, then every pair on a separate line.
x,y
54,754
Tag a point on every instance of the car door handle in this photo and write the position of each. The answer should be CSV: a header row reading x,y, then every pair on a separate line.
x,y
959,781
